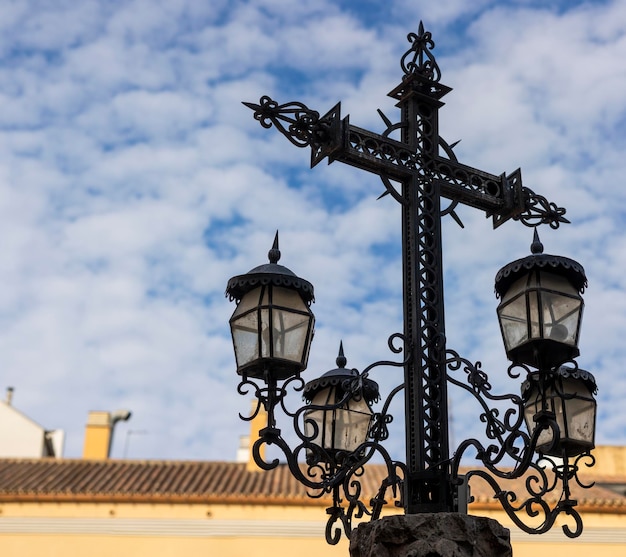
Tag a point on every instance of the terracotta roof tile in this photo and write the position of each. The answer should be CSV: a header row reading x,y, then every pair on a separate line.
x,y
207,482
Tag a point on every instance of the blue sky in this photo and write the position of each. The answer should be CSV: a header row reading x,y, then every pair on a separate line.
x,y
134,183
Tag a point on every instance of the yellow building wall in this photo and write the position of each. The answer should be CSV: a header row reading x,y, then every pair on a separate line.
x,y
604,535
160,530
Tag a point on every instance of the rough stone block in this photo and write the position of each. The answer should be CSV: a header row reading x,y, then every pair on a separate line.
x,y
431,535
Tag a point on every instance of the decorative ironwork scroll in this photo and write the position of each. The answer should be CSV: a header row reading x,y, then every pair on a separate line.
x,y
338,474
419,59
516,453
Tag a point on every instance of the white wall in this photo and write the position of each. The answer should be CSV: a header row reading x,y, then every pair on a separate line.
x,y
20,437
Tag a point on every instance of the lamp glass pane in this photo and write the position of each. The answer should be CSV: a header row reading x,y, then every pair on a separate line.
x,y
574,408
288,298
518,287
557,283
513,322
338,429
289,334
245,339
560,317
533,310
580,412
244,325
264,315
351,425
290,321
532,407
250,300
318,423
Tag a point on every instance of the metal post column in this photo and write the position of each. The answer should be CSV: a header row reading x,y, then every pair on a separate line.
x,y
427,485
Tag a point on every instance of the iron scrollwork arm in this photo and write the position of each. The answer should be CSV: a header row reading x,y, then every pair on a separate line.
x,y
542,474
538,210
297,122
337,473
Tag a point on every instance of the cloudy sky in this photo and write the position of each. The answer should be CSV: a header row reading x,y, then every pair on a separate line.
x,y
134,183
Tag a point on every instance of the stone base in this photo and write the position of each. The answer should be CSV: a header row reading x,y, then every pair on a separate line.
x,y
431,535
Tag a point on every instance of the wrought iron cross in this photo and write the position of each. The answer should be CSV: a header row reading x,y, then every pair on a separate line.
x,y
417,170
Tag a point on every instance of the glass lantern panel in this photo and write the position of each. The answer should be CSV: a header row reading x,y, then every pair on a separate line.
x,y
574,409
557,283
314,426
518,287
290,334
250,301
340,429
532,407
513,322
245,337
580,411
580,420
288,298
555,403
264,315
533,310
560,317
351,425
318,423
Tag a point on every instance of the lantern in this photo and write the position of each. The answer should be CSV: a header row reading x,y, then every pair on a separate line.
x,y
340,414
541,308
272,325
568,395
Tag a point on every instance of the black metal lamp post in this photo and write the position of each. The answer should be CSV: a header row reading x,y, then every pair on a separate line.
x,y
540,315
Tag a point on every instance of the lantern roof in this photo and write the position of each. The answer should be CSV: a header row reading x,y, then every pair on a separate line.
x,y
269,273
563,266
565,372
344,378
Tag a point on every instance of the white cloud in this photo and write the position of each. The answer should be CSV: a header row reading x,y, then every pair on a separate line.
x,y
133,184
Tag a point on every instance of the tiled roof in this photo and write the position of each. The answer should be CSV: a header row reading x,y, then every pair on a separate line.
x,y
126,480
204,482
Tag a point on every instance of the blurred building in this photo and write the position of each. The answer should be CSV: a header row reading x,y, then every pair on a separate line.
x,y
21,437
101,507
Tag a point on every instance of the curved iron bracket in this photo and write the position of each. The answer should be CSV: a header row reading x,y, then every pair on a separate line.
x,y
543,474
328,472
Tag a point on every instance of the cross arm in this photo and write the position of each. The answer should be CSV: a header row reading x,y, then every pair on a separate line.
x,y
502,197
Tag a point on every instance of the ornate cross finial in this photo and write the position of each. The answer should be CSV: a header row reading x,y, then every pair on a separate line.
x,y
419,59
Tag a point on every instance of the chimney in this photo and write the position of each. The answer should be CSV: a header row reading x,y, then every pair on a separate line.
x,y
244,453
99,433
9,398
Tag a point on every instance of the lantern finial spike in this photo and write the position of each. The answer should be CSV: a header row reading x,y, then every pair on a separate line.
x,y
274,253
536,247
341,359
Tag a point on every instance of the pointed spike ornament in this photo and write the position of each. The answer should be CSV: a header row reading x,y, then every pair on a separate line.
x,y
536,247
274,254
341,359
385,119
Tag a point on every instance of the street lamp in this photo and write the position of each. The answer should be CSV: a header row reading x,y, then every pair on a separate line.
x,y
548,429
566,394
542,307
272,325
339,412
